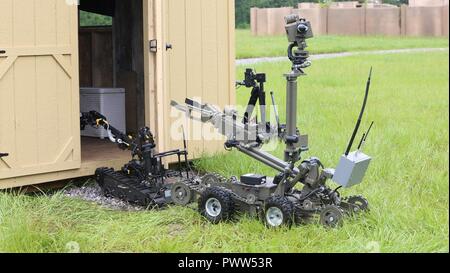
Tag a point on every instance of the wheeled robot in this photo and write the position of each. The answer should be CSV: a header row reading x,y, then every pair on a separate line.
x,y
278,200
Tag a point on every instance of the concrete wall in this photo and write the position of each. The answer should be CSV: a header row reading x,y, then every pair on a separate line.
x,y
346,21
445,21
276,16
422,21
268,21
381,19
317,17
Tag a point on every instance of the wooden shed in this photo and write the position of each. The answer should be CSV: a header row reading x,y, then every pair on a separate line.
x,y
158,50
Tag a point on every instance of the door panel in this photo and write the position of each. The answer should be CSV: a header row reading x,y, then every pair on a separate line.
x,y
200,65
39,93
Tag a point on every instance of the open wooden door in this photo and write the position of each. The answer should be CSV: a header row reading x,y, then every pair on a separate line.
x,y
194,58
39,88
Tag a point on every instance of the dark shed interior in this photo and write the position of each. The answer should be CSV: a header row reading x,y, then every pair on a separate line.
x,y
112,56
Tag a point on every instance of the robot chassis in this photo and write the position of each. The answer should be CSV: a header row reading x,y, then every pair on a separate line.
x,y
277,201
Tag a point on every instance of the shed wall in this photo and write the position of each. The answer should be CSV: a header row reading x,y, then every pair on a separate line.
x,y
39,100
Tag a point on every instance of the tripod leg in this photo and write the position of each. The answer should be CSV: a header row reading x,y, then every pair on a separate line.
x,y
251,105
262,104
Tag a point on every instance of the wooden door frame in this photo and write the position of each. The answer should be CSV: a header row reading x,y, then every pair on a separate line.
x,y
154,69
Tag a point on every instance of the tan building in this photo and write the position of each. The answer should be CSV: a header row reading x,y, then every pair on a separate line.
x,y
160,50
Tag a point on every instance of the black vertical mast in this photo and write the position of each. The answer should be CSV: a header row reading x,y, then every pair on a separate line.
x,y
358,123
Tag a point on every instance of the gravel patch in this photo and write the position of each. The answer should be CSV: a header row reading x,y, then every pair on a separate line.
x,y
338,55
93,193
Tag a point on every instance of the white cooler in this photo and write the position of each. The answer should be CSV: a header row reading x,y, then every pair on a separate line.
x,y
109,102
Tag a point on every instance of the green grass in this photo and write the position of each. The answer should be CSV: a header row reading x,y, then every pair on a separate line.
x,y
249,46
407,183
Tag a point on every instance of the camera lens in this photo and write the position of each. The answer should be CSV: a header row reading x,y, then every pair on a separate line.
x,y
302,28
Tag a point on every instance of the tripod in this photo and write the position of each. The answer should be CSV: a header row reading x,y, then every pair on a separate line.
x,y
256,82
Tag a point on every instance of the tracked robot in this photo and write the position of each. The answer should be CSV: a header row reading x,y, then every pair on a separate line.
x,y
143,180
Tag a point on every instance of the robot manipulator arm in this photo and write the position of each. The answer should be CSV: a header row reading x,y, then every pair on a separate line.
x,y
96,120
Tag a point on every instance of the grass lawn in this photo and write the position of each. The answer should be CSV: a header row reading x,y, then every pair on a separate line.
x,y
249,46
407,183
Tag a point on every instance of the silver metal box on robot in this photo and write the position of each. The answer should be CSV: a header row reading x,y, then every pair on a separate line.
x,y
351,169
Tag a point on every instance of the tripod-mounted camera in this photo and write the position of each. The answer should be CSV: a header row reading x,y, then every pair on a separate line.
x,y
256,82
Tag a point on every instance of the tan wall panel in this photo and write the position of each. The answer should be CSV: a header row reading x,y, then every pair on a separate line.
x,y
194,83
210,68
26,111
346,21
253,20
176,66
7,122
317,17
47,99
276,20
339,19
24,25
445,21
262,23
223,60
199,66
6,13
383,21
423,21
45,23
64,19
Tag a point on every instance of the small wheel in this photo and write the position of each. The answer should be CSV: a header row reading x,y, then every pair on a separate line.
x,y
360,202
181,194
278,212
211,180
216,205
331,216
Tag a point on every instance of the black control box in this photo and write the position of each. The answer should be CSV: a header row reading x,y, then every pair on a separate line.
x,y
253,179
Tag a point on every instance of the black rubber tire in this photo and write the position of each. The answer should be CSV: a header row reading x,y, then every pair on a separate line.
x,y
188,194
285,206
332,217
226,202
360,202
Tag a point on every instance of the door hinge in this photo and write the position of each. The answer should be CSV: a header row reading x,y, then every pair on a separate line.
x,y
153,45
3,155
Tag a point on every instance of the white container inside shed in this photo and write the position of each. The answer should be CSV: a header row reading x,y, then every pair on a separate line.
x,y
109,102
